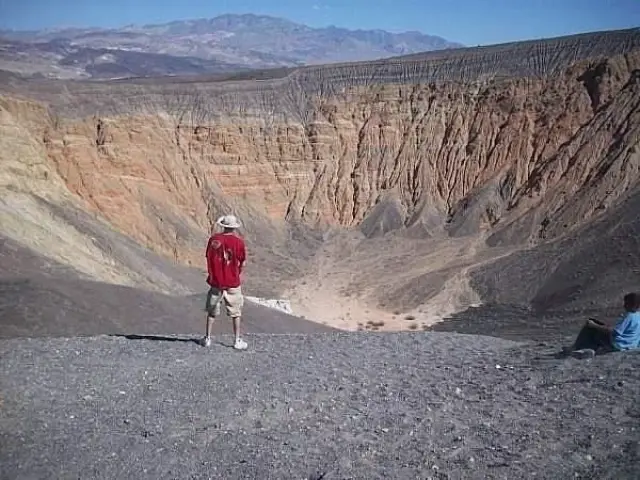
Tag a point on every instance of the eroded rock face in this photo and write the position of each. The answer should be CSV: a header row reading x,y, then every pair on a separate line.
x,y
519,159
463,151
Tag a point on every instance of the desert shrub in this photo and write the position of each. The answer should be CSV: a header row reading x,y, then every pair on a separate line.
x,y
413,326
410,317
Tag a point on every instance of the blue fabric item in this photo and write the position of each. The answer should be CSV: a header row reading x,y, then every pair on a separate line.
x,y
626,333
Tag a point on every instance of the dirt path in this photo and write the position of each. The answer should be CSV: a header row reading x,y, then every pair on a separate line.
x,y
324,296
349,279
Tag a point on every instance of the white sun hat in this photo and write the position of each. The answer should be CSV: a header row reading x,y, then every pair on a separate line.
x,y
229,221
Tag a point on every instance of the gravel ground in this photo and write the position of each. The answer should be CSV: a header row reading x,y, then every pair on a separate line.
x,y
331,406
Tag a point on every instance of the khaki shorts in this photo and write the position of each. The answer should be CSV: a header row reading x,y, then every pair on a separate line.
x,y
233,302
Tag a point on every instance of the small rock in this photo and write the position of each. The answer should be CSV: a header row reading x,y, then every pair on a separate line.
x,y
385,430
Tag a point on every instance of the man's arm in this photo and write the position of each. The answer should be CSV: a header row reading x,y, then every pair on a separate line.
x,y
242,257
600,327
621,326
207,256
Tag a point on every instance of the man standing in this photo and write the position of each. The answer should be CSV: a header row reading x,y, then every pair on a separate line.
x,y
225,260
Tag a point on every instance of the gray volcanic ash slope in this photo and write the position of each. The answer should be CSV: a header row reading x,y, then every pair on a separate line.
x,y
40,297
547,292
331,406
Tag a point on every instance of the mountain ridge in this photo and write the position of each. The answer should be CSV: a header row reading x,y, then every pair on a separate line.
x,y
223,42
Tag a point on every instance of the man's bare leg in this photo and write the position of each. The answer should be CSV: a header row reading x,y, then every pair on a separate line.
x,y
236,327
210,321
207,337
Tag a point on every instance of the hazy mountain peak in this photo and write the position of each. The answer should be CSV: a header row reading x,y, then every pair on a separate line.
x,y
211,45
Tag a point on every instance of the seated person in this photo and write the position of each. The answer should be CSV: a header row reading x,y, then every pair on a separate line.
x,y
595,336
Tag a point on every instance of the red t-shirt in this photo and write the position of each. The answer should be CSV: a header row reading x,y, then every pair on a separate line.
x,y
225,257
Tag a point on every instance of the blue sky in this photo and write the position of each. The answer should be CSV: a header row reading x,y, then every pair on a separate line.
x,y
471,22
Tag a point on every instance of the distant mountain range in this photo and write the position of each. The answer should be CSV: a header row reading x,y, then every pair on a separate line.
x,y
218,45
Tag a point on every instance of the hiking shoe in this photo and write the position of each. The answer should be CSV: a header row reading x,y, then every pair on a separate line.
x,y
584,353
206,342
240,344
565,352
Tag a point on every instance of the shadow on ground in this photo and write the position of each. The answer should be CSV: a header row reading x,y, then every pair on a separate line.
x,y
173,339
159,338
515,322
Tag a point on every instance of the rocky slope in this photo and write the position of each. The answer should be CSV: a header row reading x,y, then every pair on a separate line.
x,y
146,295
524,144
